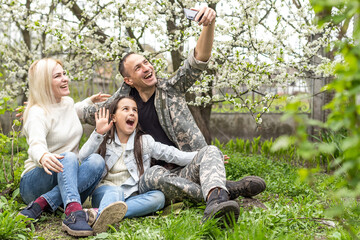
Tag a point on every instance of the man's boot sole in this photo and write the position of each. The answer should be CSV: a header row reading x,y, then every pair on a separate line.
x,y
225,209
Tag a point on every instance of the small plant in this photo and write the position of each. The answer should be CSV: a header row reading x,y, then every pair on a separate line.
x,y
334,140
256,145
12,152
240,143
12,225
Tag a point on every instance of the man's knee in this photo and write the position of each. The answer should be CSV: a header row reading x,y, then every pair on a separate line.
x,y
210,152
152,172
212,149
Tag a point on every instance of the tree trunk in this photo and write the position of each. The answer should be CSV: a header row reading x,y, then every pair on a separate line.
x,y
201,115
27,40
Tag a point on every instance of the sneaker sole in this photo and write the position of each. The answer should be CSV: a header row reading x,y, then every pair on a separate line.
x,y
110,215
76,233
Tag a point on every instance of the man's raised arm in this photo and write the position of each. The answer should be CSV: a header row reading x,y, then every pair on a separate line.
x,y
205,42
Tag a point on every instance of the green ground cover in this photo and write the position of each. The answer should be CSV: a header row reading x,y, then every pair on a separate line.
x,y
295,208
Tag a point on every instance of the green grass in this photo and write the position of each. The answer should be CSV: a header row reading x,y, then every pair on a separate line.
x,y
296,209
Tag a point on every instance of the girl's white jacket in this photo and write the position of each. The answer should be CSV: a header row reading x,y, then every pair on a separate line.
x,y
150,149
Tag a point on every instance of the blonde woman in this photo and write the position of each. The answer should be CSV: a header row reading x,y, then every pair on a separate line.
x,y
53,175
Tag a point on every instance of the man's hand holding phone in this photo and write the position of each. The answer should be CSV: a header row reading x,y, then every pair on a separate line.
x,y
205,15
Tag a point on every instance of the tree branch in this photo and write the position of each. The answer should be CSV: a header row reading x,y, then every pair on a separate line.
x,y
81,16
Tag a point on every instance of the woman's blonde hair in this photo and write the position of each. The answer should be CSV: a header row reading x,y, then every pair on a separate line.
x,y
40,79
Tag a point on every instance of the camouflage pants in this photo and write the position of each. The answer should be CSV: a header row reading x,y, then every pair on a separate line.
x,y
194,181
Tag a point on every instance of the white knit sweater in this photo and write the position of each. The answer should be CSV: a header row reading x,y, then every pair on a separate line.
x,y
57,130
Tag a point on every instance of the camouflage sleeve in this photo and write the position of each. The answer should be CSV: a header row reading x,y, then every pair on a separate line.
x,y
187,74
89,111
79,106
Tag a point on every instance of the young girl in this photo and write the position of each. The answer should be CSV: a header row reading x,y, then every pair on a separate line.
x,y
127,153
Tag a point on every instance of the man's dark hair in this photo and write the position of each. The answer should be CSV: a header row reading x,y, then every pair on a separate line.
x,y
122,63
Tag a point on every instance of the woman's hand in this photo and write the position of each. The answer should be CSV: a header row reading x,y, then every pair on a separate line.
x,y
50,162
100,97
102,121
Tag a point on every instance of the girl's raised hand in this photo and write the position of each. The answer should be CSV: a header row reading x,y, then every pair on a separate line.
x,y
102,121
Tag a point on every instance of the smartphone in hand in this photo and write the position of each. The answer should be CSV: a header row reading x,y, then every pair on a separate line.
x,y
191,14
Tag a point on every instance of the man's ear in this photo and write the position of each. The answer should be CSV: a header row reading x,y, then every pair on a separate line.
x,y
128,81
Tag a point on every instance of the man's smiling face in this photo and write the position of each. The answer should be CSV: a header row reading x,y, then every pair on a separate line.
x,y
140,73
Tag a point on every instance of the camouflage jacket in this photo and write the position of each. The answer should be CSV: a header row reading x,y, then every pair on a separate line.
x,y
171,107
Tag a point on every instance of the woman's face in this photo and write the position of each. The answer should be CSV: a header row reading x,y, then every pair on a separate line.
x,y
125,118
60,83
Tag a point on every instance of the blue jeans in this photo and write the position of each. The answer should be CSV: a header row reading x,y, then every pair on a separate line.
x,y
139,205
74,184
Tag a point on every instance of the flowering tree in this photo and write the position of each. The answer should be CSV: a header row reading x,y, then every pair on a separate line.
x,y
257,43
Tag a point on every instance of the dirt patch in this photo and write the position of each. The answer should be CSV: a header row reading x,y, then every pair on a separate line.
x,y
249,203
49,227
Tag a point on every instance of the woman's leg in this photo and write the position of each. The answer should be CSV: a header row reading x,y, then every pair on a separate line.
x,y
143,204
89,175
68,179
32,185
35,183
75,222
76,179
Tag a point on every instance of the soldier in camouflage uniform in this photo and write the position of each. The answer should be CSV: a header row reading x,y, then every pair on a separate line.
x,y
169,121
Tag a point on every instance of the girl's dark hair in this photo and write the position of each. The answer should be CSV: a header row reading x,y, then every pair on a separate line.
x,y
110,136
